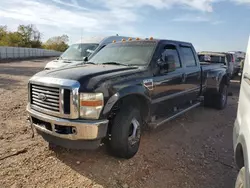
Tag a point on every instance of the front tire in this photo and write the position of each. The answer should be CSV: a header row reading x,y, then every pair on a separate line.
x,y
126,132
240,181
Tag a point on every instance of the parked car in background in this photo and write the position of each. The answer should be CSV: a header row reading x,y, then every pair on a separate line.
x,y
236,58
76,53
217,58
234,68
232,58
124,87
241,132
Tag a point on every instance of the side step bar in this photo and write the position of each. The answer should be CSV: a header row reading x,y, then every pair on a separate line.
x,y
161,121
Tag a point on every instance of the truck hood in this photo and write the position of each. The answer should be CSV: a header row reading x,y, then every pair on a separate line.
x,y
89,74
60,63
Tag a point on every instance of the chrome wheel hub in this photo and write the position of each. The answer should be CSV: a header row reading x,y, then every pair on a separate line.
x,y
224,94
135,132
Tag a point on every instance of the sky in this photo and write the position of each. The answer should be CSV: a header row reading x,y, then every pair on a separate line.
x,y
217,25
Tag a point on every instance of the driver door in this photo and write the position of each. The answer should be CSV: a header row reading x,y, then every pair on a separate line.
x,y
168,86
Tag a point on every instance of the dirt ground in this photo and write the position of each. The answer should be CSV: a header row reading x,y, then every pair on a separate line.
x,y
194,150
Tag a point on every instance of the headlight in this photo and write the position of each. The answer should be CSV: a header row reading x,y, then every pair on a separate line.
x,y
91,105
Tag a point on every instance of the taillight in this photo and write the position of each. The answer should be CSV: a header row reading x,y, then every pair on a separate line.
x,y
232,58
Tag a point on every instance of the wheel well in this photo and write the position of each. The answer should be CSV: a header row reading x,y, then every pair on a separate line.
x,y
135,100
239,156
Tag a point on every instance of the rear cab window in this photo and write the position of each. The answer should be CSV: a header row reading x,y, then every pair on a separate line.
x,y
213,58
188,56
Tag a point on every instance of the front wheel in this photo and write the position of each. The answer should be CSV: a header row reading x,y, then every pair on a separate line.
x,y
240,181
126,132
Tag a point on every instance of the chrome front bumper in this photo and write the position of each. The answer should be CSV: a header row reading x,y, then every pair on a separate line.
x,y
83,129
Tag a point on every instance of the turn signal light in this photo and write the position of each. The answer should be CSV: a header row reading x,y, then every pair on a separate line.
x,y
92,103
137,38
114,41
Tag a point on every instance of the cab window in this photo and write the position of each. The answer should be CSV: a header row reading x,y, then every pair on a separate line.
x,y
171,50
188,56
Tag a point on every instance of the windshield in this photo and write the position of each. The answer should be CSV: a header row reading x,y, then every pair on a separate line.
x,y
212,58
127,53
78,51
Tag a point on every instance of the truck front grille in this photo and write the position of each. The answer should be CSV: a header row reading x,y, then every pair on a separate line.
x,y
45,97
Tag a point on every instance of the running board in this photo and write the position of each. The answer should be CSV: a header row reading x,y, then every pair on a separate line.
x,y
162,120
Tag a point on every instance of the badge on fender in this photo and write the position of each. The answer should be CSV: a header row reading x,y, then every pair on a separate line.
x,y
148,83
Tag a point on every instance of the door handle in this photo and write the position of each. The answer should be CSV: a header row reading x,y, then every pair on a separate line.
x,y
184,76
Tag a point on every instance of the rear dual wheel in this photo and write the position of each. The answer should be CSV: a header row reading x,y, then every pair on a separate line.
x,y
218,100
222,96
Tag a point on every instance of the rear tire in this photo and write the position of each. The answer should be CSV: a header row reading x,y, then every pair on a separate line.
x,y
240,181
221,98
126,132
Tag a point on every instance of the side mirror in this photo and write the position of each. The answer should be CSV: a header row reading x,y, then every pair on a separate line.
x,y
167,65
85,58
162,64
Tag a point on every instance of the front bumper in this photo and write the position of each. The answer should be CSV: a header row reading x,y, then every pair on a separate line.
x,y
68,129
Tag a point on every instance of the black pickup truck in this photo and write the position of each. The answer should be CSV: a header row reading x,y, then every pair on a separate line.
x,y
124,88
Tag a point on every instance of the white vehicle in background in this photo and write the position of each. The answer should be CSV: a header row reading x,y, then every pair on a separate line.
x,y
236,57
241,133
78,52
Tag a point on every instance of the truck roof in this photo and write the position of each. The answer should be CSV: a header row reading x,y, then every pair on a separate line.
x,y
155,40
100,39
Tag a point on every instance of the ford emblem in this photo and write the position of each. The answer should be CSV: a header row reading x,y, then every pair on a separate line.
x,y
42,96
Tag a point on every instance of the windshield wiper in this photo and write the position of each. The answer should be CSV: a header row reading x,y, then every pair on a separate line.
x,y
114,63
89,62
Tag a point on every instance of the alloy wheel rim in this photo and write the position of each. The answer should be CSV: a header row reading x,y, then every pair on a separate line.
x,y
135,133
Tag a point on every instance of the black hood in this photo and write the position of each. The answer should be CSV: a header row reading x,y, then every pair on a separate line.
x,y
79,72
90,76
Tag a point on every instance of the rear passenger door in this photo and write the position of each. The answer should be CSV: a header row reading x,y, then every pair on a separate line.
x,y
192,72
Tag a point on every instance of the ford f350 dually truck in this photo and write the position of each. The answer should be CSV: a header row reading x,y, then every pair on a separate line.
x,y
125,87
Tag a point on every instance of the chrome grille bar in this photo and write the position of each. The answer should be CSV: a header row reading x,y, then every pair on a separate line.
x,y
54,89
51,97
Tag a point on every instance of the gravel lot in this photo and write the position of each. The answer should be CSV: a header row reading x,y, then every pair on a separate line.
x,y
194,150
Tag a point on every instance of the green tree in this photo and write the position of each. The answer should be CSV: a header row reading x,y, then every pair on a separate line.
x,y
30,36
3,35
25,36
58,43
